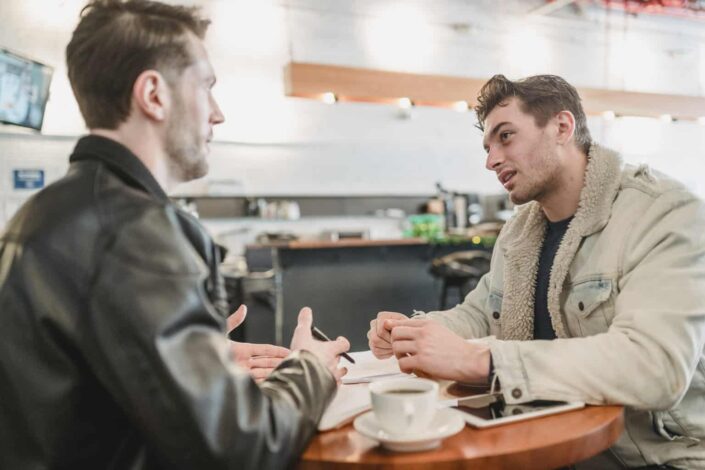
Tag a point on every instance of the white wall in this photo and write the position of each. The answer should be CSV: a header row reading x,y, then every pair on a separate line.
x,y
271,144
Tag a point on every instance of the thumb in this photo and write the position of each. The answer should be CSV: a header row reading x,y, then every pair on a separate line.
x,y
237,317
342,344
305,318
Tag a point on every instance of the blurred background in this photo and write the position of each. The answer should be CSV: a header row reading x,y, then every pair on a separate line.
x,y
305,184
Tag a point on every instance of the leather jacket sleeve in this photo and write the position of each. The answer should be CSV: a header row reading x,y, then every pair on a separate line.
x,y
157,344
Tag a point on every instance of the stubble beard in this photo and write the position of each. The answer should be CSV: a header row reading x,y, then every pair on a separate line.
x,y
187,160
537,188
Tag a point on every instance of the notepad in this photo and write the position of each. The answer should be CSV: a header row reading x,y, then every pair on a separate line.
x,y
368,368
353,397
349,401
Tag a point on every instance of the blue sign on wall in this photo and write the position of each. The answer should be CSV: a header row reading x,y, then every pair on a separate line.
x,y
28,178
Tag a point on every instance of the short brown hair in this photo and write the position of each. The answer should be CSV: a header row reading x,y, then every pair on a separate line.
x,y
115,41
541,96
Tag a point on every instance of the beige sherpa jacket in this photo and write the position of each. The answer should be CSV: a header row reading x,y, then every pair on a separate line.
x,y
627,302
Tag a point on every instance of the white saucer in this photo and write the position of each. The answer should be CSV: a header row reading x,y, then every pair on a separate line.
x,y
446,423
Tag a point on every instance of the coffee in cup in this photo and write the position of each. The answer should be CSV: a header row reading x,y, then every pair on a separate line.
x,y
404,406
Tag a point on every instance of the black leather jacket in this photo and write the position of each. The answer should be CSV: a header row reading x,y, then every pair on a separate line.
x,y
112,345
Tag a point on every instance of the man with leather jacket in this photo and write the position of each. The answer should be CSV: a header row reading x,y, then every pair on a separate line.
x,y
113,314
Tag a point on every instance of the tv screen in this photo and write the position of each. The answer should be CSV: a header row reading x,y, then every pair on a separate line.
x,y
24,90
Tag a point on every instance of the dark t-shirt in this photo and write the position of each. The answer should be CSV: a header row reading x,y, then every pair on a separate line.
x,y
543,329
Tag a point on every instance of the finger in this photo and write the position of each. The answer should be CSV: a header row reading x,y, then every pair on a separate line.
x,y
373,329
382,354
382,332
380,345
340,345
305,320
339,373
407,364
264,362
379,352
372,338
269,350
410,323
400,333
260,374
403,348
237,317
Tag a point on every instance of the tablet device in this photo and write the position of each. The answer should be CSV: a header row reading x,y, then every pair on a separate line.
x,y
490,410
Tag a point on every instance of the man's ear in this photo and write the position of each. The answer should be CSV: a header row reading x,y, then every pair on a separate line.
x,y
150,95
566,126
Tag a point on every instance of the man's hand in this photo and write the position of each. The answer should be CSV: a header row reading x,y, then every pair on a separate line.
x,y
259,359
326,351
433,350
379,337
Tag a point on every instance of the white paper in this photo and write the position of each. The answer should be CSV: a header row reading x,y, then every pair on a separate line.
x,y
350,401
368,368
353,397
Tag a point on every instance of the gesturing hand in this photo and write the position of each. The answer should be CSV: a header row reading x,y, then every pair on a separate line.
x,y
430,348
259,359
326,351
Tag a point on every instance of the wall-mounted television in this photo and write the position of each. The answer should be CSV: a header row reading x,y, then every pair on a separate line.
x,y
24,90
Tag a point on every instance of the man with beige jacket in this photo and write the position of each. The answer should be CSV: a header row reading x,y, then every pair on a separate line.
x,y
596,291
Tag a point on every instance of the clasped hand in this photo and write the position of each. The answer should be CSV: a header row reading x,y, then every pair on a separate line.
x,y
426,347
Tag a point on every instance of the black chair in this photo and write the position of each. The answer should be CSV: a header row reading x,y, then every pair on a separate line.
x,y
461,270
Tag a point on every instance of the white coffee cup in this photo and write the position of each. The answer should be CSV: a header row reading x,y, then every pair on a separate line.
x,y
404,406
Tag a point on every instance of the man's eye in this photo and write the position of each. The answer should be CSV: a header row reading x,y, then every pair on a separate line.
x,y
504,136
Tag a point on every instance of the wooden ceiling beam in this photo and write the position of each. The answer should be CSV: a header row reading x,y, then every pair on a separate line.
x,y
309,80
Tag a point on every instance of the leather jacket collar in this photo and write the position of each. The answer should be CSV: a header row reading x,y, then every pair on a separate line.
x,y
120,160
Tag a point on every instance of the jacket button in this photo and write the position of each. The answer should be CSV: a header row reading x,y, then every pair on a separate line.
x,y
495,315
516,393
581,306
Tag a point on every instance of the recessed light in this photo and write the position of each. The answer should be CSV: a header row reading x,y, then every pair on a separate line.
x,y
405,103
461,106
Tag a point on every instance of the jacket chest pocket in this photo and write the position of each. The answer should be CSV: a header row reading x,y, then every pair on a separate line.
x,y
494,307
589,307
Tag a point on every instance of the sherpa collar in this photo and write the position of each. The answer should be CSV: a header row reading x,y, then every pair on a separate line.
x,y
523,237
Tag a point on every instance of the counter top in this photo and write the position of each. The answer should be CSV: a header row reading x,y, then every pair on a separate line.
x,y
351,242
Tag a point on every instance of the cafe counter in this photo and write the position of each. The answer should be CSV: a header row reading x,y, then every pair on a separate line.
x,y
347,282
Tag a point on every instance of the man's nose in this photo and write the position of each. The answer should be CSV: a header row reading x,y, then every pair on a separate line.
x,y
494,159
217,116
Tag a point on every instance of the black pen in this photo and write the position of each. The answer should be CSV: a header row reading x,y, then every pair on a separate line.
x,y
318,334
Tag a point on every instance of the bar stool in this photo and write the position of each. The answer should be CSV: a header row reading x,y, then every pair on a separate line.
x,y
461,270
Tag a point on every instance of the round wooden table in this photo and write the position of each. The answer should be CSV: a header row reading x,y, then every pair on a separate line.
x,y
540,443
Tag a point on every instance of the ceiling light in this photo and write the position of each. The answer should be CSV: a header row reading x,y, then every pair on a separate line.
x,y
608,115
329,97
701,120
405,103
461,106
666,118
